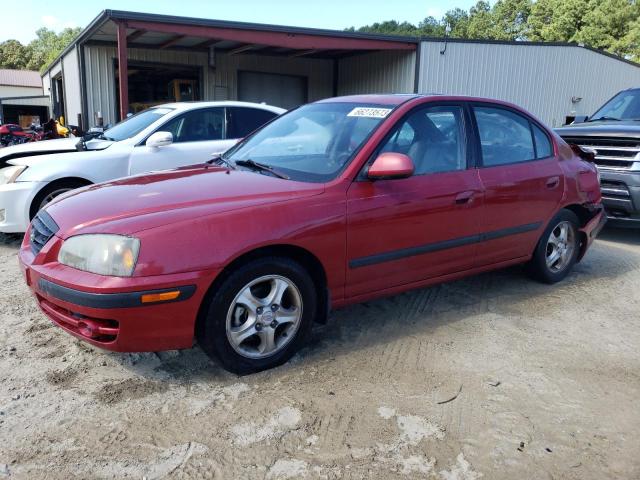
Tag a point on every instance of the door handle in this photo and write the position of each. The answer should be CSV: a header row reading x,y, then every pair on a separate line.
x,y
465,197
553,182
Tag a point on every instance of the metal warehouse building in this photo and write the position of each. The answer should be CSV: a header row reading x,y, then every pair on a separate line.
x,y
124,62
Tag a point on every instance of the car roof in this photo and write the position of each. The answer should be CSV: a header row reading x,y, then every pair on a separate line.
x,y
184,106
399,99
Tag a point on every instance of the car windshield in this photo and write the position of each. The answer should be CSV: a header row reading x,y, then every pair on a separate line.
x,y
624,106
312,143
134,125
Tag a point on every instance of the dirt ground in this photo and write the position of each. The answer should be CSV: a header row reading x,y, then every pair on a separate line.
x,y
547,382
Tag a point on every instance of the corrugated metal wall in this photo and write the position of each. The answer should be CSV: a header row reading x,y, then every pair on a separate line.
x,y
379,72
220,83
71,83
542,79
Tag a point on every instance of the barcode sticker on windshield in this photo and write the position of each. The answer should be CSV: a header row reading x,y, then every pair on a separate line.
x,y
369,112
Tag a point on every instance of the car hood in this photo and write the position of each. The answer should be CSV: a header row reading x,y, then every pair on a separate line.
x,y
18,154
151,200
624,129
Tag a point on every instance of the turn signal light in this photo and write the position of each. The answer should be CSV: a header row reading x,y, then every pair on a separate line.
x,y
160,297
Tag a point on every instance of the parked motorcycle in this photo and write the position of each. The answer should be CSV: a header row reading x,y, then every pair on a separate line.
x,y
12,134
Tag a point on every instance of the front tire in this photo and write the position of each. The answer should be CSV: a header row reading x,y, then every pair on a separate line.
x,y
51,191
557,250
260,315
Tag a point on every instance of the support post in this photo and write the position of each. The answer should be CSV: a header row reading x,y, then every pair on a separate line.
x,y
123,78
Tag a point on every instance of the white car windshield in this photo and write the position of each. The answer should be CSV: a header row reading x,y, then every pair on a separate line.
x,y
312,143
134,125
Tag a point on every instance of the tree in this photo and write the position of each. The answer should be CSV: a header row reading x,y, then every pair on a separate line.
x,y
510,19
557,20
39,53
48,45
607,24
14,55
611,25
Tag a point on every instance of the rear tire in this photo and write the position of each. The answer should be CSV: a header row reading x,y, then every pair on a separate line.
x,y
557,250
259,316
51,191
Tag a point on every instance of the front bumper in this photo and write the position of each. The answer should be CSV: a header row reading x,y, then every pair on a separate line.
x,y
621,197
108,311
15,201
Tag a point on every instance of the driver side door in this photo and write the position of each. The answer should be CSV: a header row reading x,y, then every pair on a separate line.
x,y
197,136
404,231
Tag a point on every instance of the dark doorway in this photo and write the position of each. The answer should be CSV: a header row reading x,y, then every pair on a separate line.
x,y
57,86
153,84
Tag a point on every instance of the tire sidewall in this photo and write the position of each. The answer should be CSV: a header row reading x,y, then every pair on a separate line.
x,y
540,256
213,336
52,187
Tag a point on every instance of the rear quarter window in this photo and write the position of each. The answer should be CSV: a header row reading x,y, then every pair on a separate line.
x,y
544,148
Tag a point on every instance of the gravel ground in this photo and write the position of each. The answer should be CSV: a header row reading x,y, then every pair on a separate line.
x,y
494,376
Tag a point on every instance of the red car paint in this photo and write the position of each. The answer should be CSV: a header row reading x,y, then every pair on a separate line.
x,y
194,222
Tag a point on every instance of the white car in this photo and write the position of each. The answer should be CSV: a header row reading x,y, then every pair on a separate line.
x,y
160,138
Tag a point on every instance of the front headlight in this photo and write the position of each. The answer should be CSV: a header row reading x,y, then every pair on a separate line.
x,y
114,255
10,174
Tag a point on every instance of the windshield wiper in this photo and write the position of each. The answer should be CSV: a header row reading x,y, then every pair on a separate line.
x,y
217,159
261,167
603,118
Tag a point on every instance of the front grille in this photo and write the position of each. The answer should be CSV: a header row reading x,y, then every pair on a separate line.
x,y
614,189
613,153
43,227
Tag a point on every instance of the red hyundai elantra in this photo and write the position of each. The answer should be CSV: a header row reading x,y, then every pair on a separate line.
x,y
336,202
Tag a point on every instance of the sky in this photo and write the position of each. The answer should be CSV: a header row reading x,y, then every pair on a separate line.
x,y
21,22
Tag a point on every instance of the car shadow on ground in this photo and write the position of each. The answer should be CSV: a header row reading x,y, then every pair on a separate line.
x,y
11,239
628,236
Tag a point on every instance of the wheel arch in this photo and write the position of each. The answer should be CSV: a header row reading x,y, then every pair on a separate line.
x,y
582,212
82,182
294,252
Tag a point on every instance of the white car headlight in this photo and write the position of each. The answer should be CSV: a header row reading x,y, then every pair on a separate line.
x,y
10,174
114,255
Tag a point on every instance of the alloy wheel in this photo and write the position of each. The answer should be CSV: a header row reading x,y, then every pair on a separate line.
x,y
560,247
264,316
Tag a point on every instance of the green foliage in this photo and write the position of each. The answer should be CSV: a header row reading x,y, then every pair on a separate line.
x,y
611,25
39,53
14,55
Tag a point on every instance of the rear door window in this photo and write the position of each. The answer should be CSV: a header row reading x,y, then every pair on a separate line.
x,y
505,136
241,121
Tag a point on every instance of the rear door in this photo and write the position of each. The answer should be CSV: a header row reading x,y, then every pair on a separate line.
x,y
522,180
407,230
197,136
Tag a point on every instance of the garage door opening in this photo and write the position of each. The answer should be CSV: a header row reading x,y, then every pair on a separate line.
x,y
153,84
285,91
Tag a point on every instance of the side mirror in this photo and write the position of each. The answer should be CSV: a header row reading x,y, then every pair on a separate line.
x,y
581,118
391,165
160,139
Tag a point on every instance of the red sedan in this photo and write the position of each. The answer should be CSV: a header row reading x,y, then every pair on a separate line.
x,y
336,202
